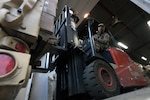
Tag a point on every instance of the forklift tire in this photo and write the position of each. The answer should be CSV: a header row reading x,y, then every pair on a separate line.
x,y
100,80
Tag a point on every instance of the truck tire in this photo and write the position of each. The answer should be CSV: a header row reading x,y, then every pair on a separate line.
x,y
100,80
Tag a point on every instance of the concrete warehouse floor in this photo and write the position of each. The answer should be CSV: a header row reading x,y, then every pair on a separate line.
x,y
141,94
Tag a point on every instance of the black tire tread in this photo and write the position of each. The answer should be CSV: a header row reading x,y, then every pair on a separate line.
x,y
91,82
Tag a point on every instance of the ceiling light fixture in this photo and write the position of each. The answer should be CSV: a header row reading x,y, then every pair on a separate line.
x,y
144,58
71,11
148,22
86,15
122,45
115,21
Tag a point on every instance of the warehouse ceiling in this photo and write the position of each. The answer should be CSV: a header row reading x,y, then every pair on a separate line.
x,y
126,21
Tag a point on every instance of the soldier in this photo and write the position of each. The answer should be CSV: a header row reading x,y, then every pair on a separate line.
x,y
101,38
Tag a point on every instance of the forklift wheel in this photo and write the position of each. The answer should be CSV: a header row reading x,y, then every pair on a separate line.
x,y
100,80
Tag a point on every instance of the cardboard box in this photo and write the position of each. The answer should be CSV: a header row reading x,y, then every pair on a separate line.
x,y
48,15
47,22
50,7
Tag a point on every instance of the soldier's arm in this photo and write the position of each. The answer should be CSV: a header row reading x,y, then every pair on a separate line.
x,y
105,38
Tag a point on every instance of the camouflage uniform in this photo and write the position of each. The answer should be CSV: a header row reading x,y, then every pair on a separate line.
x,y
102,41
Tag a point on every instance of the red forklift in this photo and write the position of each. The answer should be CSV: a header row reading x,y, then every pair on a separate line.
x,y
84,74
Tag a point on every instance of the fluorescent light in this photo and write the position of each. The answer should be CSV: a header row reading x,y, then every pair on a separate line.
x,y
144,58
71,12
86,15
148,22
46,2
122,45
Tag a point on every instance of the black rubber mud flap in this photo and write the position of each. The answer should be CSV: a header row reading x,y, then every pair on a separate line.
x,y
100,80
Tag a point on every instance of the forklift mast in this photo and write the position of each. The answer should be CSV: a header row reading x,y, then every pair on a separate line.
x,y
65,28
69,65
